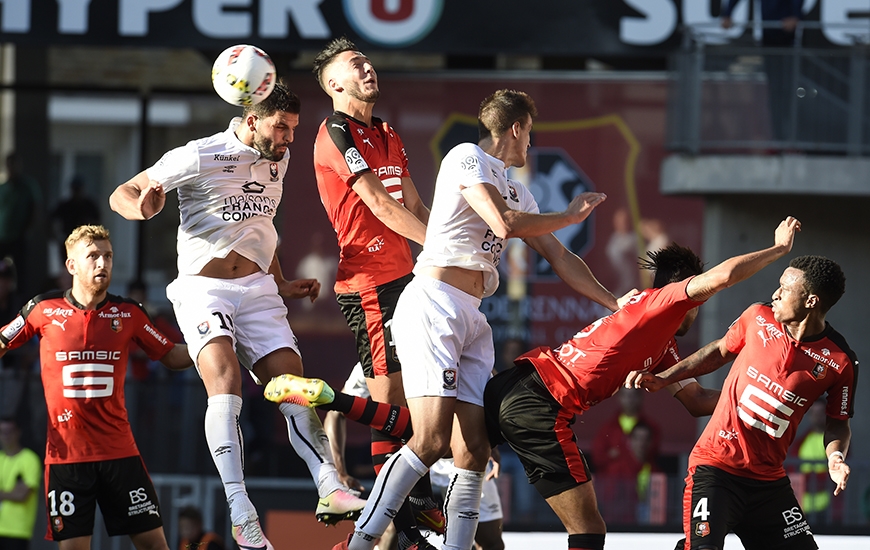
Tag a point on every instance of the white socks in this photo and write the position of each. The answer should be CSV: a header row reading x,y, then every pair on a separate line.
x,y
224,438
398,476
461,509
312,445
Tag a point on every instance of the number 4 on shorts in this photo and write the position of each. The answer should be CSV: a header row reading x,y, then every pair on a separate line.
x,y
700,510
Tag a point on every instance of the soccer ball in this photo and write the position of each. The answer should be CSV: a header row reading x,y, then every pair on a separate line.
x,y
243,75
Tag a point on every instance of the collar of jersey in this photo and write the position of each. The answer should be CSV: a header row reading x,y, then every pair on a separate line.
x,y
69,298
231,131
375,120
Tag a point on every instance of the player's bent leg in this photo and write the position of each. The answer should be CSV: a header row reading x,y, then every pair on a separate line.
x,y
577,508
155,539
336,501
471,451
222,378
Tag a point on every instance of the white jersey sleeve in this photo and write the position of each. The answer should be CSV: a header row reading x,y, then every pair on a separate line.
x,y
177,167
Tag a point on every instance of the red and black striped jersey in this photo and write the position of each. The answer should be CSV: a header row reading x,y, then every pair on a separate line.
x,y
83,357
371,254
773,382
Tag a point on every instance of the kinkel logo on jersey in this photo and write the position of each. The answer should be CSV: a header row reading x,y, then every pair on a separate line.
x,y
227,158
253,187
273,171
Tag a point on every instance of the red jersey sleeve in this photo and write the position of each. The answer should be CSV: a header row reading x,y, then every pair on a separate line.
x,y
21,329
735,338
337,150
670,358
841,394
153,342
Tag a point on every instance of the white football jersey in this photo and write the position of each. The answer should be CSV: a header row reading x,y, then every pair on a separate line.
x,y
227,196
456,235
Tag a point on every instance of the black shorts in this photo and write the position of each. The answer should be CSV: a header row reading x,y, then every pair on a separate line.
x,y
520,411
121,487
369,314
764,514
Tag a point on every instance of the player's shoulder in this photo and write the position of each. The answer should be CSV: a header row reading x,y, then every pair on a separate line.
x,y
45,300
122,303
840,341
464,149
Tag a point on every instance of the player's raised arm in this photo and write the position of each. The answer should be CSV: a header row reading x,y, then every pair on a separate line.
x,y
572,269
738,268
140,198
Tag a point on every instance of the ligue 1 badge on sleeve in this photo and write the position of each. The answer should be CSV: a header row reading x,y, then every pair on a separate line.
x,y
203,328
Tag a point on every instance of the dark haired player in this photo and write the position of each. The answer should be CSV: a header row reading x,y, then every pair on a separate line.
x,y
785,357
90,455
370,199
228,297
531,406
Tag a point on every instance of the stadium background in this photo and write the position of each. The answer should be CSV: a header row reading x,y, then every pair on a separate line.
x,y
101,89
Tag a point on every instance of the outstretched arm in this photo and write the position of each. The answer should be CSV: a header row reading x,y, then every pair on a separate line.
x,y
506,223
705,360
837,437
572,269
733,270
139,198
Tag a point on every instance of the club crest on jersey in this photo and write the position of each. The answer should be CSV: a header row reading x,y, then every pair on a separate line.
x,y
116,325
702,529
203,328
512,193
57,524
449,379
819,371
253,187
273,171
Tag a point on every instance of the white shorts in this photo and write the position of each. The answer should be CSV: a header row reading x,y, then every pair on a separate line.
x,y
443,341
355,384
248,310
490,502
